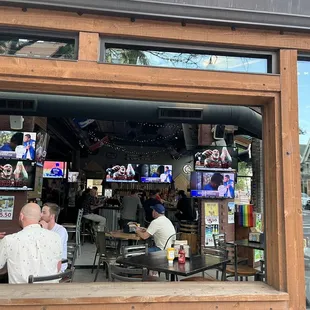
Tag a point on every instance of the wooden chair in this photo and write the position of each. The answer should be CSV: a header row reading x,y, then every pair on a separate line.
x,y
75,229
219,252
236,269
220,241
65,277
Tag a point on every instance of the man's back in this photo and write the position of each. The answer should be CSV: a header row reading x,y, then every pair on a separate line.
x,y
130,205
161,229
32,251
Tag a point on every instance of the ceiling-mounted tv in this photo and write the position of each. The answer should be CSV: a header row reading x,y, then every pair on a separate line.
x,y
18,145
17,175
123,173
156,173
212,184
41,149
55,170
216,158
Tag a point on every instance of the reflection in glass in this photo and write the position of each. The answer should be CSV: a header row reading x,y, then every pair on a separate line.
x,y
185,60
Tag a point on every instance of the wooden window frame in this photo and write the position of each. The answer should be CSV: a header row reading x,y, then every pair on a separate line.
x,y
276,94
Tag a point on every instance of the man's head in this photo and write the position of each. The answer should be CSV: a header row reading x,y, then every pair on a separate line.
x,y
93,192
216,180
133,192
226,178
50,212
181,194
29,214
158,210
57,165
158,191
17,139
27,137
152,194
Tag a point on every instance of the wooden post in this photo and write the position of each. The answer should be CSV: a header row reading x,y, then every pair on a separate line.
x,y
89,46
291,180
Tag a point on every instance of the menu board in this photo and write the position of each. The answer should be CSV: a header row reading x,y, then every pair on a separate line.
x,y
6,207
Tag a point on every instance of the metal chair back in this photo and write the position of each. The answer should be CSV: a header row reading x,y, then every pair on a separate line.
x,y
172,238
126,274
64,276
219,240
134,250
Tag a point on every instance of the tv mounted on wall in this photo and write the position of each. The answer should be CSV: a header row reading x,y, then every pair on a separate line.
x,y
123,173
18,145
216,158
155,173
212,184
55,170
17,175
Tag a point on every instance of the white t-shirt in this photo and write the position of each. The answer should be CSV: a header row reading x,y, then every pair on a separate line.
x,y
33,251
161,229
62,232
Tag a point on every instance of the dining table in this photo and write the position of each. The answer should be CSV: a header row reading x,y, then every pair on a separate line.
x,y
120,237
157,261
249,244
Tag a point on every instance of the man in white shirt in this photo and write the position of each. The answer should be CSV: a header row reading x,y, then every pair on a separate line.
x,y
49,216
160,228
33,251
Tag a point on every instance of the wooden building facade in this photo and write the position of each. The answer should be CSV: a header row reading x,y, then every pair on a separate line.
x,y
276,93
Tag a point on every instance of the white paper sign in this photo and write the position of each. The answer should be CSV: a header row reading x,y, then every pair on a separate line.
x,y
231,212
6,207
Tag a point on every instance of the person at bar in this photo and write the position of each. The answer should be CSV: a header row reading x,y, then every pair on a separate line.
x,y
161,228
49,216
148,211
32,251
185,212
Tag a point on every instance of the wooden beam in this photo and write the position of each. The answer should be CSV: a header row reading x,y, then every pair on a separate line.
x,y
148,295
152,30
88,46
135,82
293,219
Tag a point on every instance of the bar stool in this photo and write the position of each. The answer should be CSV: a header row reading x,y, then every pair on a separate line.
x,y
87,230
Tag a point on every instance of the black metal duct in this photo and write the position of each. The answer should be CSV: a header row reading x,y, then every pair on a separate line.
x,y
249,121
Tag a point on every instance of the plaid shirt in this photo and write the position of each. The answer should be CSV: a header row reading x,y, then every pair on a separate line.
x,y
88,201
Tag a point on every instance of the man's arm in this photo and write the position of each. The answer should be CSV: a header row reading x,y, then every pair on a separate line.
x,y
3,252
142,233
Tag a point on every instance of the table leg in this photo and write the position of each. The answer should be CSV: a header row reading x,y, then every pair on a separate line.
x,y
172,277
223,278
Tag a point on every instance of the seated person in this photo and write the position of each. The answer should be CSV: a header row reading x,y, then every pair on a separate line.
x,y
49,216
32,251
89,205
160,228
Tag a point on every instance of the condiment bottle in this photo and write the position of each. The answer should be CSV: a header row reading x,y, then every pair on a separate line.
x,y
181,257
170,255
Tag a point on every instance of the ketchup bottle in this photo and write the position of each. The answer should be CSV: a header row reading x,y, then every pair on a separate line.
x,y
181,257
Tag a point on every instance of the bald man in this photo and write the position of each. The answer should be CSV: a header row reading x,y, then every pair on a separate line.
x,y
32,251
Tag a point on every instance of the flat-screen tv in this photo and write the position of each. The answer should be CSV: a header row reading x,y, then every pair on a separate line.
x,y
123,173
73,176
216,158
41,149
55,170
156,173
212,184
17,175
18,145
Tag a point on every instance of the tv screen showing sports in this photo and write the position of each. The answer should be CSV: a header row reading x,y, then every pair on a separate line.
x,y
216,158
18,145
212,184
17,175
123,173
55,170
41,147
155,173
73,176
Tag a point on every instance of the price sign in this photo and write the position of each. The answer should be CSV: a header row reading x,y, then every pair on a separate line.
x,y
6,207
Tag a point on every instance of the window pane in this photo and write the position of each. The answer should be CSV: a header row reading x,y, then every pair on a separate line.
x,y
185,60
304,135
37,47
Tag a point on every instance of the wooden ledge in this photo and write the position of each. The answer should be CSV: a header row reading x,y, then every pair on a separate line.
x,y
78,294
